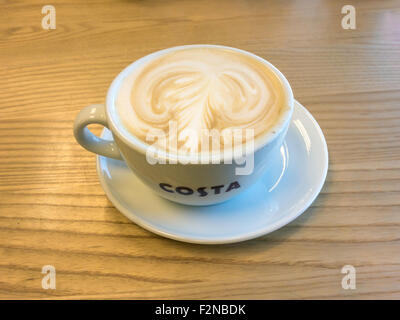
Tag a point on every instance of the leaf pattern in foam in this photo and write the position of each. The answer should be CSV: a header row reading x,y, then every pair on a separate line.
x,y
197,98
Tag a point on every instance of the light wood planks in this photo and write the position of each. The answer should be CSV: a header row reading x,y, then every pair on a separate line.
x,y
53,210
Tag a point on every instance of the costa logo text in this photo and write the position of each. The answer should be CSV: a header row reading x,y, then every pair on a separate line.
x,y
201,191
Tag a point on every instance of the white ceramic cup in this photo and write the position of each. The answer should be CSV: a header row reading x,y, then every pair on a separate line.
x,y
192,183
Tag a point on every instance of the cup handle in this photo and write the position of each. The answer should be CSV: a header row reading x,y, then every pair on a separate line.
x,y
94,113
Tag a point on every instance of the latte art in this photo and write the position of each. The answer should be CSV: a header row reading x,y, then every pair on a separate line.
x,y
199,90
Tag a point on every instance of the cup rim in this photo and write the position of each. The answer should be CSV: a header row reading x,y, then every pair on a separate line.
x,y
216,157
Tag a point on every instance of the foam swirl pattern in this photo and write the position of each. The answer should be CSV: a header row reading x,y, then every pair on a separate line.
x,y
198,89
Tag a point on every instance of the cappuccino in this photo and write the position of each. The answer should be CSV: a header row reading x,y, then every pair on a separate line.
x,y
184,95
200,92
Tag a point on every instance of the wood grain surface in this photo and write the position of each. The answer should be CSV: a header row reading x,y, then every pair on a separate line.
x,y
54,212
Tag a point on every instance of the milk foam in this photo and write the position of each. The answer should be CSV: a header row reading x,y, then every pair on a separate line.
x,y
200,88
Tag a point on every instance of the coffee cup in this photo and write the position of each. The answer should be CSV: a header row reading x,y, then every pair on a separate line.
x,y
187,178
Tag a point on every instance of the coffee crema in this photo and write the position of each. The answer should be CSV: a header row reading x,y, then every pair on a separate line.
x,y
199,89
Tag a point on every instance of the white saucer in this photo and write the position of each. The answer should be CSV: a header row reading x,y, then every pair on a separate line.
x,y
279,197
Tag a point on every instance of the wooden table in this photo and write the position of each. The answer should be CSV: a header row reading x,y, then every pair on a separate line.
x,y
54,212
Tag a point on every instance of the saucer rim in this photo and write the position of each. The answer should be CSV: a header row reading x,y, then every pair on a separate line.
x,y
232,239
